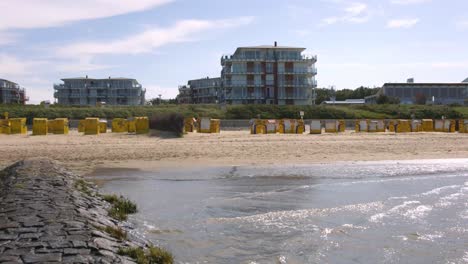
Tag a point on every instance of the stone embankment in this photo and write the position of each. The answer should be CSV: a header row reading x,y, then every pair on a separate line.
x,y
45,218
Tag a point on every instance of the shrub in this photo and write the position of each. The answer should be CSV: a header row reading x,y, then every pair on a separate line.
x,y
110,198
82,186
172,122
154,255
121,207
116,232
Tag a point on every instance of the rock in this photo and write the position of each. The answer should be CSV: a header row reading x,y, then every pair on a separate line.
x,y
31,235
103,243
49,220
41,258
76,259
79,244
4,259
76,251
5,225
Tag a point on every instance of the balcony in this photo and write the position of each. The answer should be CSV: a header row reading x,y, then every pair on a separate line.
x,y
308,71
245,97
243,83
312,59
244,72
311,83
58,86
294,93
232,58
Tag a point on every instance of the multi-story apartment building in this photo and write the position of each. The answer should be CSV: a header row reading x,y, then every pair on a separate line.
x,y
88,91
200,91
268,75
12,93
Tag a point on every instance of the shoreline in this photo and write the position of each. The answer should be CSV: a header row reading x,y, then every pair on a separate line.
x,y
83,154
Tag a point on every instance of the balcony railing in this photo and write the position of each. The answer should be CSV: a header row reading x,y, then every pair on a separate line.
x,y
294,93
298,71
227,58
311,83
244,83
258,71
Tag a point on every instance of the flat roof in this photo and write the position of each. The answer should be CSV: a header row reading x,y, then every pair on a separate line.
x,y
87,78
272,47
347,101
433,84
201,79
7,81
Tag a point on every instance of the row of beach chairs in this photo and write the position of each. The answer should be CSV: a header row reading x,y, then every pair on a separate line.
x,y
140,125
294,126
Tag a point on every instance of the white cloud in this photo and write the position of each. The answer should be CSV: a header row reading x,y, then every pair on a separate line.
x,y
402,23
353,13
462,24
28,14
408,2
8,38
151,39
153,91
409,65
82,64
11,66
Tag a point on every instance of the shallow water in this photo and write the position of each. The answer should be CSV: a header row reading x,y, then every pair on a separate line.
x,y
365,212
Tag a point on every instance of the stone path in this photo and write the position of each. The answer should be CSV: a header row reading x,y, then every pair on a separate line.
x,y
45,218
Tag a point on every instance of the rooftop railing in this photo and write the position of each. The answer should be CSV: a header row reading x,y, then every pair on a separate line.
x,y
226,58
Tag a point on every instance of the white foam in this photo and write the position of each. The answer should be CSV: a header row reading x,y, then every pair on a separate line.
x,y
440,189
419,212
464,214
326,232
431,237
150,227
398,198
290,219
408,209
377,217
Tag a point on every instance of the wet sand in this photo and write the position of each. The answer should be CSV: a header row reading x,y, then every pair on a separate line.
x,y
83,154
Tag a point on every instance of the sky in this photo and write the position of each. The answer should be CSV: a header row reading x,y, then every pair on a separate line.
x,y
165,43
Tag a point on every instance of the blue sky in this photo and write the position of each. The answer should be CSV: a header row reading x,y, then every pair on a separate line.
x,y
164,43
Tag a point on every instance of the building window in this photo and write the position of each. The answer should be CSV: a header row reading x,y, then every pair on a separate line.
x,y
270,79
269,67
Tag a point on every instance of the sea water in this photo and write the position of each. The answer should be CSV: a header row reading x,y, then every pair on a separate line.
x,y
361,212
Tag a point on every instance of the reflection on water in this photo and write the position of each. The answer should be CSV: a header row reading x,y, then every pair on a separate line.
x,y
387,212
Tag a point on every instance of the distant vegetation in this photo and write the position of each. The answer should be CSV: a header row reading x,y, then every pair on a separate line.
x,y
241,111
324,94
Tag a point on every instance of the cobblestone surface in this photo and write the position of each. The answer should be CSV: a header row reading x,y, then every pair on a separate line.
x,y
45,218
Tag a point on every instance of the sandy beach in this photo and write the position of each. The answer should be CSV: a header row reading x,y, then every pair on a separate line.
x,y
84,153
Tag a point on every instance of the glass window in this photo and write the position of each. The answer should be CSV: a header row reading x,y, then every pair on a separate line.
x,y
443,92
452,92
269,67
270,79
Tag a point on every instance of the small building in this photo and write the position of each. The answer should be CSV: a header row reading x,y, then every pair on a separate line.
x,y
12,93
200,91
428,93
345,102
92,92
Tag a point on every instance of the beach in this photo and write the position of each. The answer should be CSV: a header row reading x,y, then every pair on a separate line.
x,y
83,154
